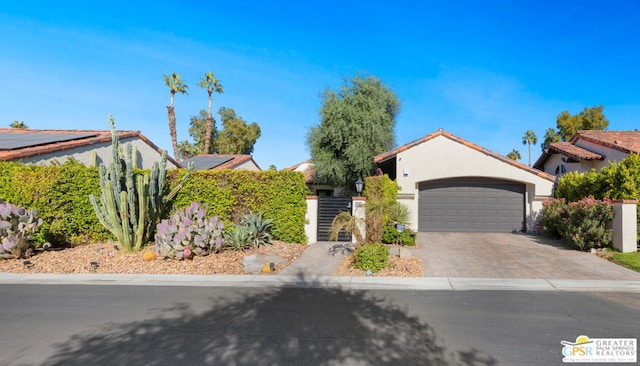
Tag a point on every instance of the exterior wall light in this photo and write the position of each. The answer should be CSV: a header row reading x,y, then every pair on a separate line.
x,y
359,186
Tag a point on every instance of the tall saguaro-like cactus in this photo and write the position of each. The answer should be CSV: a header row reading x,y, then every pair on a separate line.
x,y
130,204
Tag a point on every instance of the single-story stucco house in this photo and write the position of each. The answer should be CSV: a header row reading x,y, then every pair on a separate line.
x,y
86,146
451,184
222,161
588,150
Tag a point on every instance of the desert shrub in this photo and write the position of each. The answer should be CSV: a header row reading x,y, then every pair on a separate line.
x,y
408,238
586,224
553,212
16,227
390,235
582,224
187,233
371,257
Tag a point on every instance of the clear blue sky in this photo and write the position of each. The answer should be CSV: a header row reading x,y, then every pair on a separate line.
x,y
486,71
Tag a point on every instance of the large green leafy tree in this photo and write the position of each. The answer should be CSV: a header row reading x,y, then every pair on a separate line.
x,y
589,119
237,137
175,85
357,122
567,124
197,131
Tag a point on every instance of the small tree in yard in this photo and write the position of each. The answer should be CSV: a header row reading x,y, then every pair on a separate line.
x,y
357,123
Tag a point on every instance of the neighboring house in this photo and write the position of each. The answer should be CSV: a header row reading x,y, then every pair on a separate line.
x,y
451,184
221,161
587,150
86,146
308,169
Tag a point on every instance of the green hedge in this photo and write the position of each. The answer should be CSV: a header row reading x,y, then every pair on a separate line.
x,y
618,180
60,194
280,195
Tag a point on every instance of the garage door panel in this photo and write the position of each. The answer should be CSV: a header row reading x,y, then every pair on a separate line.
x,y
473,204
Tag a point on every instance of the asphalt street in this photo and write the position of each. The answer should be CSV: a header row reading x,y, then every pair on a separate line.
x,y
183,325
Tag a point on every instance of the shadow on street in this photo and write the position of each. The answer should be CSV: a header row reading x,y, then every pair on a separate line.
x,y
315,325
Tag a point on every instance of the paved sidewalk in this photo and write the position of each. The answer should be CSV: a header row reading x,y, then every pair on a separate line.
x,y
315,261
302,281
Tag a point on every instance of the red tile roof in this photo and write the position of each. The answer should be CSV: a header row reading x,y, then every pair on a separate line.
x,y
308,170
392,154
625,141
220,161
573,151
98,137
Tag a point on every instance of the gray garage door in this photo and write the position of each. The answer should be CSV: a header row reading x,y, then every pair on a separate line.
x,y
472,204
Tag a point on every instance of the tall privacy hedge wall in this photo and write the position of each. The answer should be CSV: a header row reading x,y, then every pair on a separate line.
x,y
281,195
60,194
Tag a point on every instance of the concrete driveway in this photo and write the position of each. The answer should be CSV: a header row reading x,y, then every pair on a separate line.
x,y
505,255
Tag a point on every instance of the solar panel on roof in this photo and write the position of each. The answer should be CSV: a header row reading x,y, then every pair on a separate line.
x,y
206,162
19,140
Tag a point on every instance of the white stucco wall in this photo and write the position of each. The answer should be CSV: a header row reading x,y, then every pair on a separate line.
x,y
581,167
443,158
247,165
610,155
145,158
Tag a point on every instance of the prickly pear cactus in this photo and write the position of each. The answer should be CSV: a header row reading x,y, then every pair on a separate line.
x,y
16,227
188,233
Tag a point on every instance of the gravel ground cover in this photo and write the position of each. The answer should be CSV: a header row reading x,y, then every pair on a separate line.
x,y
78,259
110,260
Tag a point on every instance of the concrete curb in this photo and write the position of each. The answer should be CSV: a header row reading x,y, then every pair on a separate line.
x,y
302,281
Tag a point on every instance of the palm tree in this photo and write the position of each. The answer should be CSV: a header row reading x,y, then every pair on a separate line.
x,y
18,124
211,83
529,138
514,155
176,85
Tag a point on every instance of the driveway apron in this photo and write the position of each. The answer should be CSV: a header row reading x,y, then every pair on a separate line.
x,y
505,255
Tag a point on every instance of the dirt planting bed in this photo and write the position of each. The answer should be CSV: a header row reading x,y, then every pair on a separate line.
x,y
110,260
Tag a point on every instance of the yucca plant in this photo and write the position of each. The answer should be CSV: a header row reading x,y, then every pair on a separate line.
x,y
399,214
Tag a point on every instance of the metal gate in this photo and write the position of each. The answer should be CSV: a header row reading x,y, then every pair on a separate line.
x,y
328,208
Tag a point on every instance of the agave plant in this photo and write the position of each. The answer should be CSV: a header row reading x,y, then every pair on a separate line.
x,y
239,238
259,227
